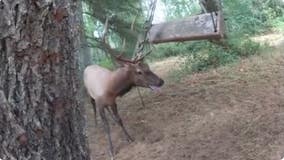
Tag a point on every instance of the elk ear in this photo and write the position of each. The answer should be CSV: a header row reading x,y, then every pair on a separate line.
x,y
119,63
122,64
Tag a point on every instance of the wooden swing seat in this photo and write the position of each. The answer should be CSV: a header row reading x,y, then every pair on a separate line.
x,y
198,27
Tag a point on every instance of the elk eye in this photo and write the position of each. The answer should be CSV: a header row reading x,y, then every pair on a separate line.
x,y
139,72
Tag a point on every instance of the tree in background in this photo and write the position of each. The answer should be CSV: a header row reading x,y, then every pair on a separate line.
x,y
41,116
126,19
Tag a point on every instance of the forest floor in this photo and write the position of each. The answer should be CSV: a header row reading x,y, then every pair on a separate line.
x,y
234,112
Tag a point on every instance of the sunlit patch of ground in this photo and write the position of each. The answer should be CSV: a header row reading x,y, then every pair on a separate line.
x,y
273,39
164,67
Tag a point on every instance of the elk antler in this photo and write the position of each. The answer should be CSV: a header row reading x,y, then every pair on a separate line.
x,y
138,57
111,51
143,41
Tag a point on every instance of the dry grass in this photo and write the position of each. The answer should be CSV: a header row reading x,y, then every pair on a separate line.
x,y
231,113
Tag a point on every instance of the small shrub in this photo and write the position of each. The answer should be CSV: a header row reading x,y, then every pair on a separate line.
x,y
168,50
243,48
278,24
210,57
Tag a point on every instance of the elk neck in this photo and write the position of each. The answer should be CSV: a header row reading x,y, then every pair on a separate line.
x,y
121,82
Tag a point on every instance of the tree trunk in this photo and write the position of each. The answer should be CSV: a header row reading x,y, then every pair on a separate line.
x,y
41,116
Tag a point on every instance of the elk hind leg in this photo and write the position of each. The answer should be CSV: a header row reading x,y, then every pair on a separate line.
x,y
107,129
94,109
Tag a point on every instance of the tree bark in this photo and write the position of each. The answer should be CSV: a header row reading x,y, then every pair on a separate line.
x,y
41,115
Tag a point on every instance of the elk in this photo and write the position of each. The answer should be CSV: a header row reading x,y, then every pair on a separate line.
x,y
104,86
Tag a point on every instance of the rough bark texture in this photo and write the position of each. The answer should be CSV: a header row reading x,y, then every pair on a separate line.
x,y
41,116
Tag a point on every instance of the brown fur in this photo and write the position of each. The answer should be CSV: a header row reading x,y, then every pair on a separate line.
x,y
118,83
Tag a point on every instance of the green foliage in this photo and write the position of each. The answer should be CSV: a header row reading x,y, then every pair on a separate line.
x,y
244,18
278,24
251,17
121,15
210,55
243,48
106,62
168,50
181,8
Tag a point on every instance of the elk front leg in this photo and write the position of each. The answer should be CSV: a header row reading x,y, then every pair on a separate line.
x,y
111,114
119,121
107,129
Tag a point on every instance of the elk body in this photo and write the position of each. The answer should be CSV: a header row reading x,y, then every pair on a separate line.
x,y
104,86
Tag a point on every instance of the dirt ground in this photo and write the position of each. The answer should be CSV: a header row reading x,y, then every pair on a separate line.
x,y
230,113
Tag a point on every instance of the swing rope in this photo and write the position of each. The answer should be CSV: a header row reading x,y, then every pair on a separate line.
x,y
144,43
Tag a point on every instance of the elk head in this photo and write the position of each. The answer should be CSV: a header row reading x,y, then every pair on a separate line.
x,y
138,72
141,75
